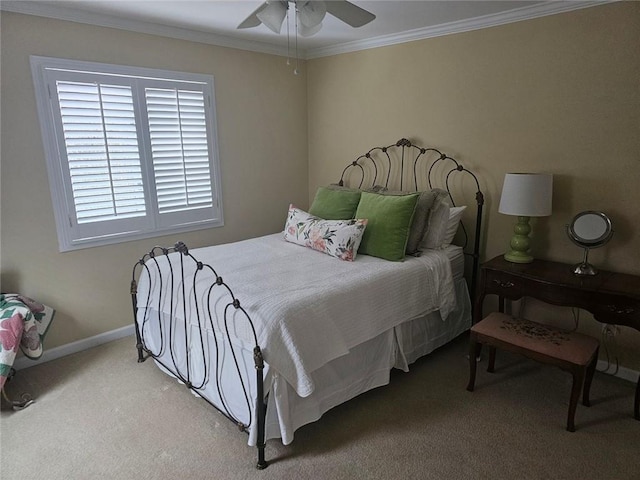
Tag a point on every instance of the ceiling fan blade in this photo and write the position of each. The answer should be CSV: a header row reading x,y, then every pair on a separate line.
x,y
349,13
253,20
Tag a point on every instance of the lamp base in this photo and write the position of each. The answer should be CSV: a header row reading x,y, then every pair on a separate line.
x,y
518,257
520,243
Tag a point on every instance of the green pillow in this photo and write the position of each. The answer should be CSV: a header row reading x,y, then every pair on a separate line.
x,y
420,217
389,218
332,204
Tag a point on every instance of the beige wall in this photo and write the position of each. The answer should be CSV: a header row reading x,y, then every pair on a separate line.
x,y
558,94
262,125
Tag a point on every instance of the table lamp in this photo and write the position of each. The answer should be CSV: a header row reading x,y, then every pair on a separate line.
x,y
525,195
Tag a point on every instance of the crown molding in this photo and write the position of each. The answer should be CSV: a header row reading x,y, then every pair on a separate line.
x,y
51,10
477,23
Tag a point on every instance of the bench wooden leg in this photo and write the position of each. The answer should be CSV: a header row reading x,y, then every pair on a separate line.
x,y
578,379
474,352
636,403
491,366
587,382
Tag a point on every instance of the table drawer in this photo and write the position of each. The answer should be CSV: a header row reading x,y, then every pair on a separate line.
x,y
617,309
504,284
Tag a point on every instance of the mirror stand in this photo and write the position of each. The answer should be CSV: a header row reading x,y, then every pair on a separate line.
x,y
589,229
585,268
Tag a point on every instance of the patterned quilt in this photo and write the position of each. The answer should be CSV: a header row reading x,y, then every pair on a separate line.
x,y
23,323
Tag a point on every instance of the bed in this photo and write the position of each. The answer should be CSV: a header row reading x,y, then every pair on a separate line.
x,y
274,331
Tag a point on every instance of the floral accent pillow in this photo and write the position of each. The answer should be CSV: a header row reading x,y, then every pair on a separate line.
x,y
338,238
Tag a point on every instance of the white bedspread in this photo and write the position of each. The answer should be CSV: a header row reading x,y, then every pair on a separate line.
x,y
309,308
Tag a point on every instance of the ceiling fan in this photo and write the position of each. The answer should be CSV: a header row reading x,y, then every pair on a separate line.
x,y
309,13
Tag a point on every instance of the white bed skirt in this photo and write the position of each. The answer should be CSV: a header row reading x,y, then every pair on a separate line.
x,y
367,366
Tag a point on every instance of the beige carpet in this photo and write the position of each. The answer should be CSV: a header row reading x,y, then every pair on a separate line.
x,y
100,415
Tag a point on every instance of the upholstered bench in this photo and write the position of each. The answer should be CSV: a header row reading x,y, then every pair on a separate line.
x,y
570,351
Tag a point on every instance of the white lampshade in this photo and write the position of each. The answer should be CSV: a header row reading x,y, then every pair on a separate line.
x,y
273,14
526,194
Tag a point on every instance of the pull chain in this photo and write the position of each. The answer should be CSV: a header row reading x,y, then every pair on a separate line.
x,y
295,70
288,39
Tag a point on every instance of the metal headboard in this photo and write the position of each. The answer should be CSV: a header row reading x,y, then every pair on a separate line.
x,y
403,162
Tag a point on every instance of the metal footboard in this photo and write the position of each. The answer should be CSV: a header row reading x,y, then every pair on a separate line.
x,y
178,288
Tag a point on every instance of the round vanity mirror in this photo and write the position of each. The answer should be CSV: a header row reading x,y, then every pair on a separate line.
x,y
589,229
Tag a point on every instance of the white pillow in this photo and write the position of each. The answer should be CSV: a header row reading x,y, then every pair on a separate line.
x,y
455,214
438,222
338,238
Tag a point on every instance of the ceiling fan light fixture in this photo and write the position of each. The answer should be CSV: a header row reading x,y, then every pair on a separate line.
x,y
305,31
308,18
311,14
273,14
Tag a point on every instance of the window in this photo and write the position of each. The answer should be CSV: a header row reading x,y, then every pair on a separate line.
x,y
131,152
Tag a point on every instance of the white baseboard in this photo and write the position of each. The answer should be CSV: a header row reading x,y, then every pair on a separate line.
x,y
623,372
86,343
74,347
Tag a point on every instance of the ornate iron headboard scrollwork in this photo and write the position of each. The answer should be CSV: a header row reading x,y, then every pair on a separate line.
x,y
404,163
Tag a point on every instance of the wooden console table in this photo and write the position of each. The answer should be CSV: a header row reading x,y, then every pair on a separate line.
x,y
612,298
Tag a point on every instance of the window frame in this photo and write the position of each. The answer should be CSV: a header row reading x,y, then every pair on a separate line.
x,y
56,157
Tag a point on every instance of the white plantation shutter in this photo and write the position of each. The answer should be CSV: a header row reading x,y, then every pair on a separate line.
x,y
131,152
102,150
178,133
